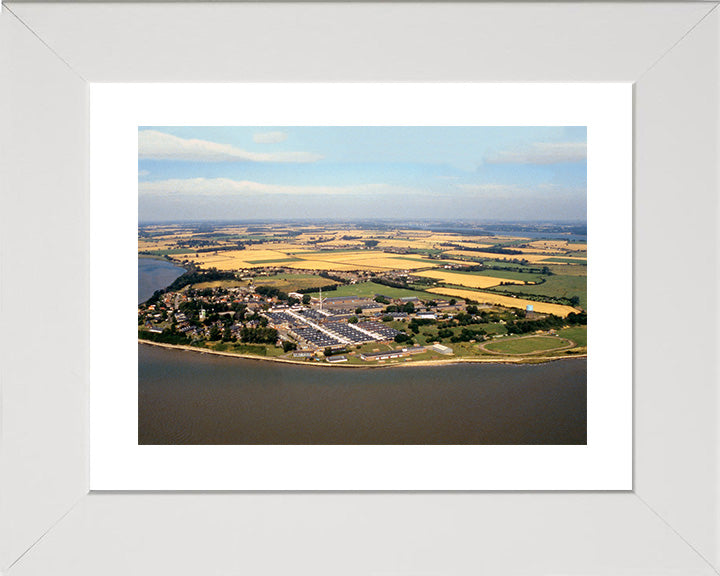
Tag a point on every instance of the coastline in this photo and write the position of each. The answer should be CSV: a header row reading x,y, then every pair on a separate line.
x,y
444,362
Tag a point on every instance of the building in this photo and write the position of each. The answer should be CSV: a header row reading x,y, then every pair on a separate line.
x,y
337,359
442,349
303,354
426,316
384,355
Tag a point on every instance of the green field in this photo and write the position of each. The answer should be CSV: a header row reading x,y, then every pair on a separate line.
x,y
563,270
577,334
369,289
240,348
284,282
527,345
556,286
566,261
169,251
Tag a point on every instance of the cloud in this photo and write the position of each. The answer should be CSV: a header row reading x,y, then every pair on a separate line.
x,y
142,173
236,188
270,137
486,188
155,145
541,153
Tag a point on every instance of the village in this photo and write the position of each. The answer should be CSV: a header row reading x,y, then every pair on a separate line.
x,y
303,327
353,329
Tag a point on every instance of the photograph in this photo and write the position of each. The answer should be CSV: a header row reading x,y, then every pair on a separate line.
x,y
379,285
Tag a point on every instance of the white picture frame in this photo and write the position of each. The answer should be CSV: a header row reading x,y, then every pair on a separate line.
x,y
49,523
118,462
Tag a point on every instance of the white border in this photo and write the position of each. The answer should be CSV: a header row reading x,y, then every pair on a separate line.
x,y
117,462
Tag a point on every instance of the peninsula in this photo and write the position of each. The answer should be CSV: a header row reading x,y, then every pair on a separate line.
x,y
370,295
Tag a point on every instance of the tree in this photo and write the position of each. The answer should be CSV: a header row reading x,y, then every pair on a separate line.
x,y
371,243
327,351
215,332
358,310
306,299
402,337
575,301
353,320
453,301
287,346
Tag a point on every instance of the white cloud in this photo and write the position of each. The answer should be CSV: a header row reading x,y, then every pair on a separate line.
x,y
270,137
486,188
155,145
142,173
229,187
541,153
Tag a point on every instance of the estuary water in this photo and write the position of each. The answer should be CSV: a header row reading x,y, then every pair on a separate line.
x,y
193,398
154,274
189,397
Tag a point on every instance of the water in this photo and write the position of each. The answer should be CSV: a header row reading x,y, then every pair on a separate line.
x,y
153,275
194,398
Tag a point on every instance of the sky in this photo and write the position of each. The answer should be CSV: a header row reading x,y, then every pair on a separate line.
x,y
469,174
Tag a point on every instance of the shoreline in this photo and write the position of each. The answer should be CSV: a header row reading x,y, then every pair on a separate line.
x,y
461,360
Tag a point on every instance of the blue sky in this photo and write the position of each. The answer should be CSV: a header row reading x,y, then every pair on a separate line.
x,y
347,173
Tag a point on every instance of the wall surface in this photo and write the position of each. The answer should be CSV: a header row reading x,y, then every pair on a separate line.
x,y
677,434
43,288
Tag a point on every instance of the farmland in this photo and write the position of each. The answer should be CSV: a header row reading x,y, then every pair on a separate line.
x,y
501,270
450,295
506,301
469,280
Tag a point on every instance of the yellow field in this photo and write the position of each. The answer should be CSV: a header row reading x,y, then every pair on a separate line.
x,y
532,258
507,301
469,280
345,256
549,244
322,265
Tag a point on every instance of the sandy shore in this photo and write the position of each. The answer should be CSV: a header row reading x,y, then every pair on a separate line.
x,y
443,362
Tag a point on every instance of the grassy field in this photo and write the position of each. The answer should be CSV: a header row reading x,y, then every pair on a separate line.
x,y
565,270
239,348
577,334
558,286
284,282
369,289
527,345
578,261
